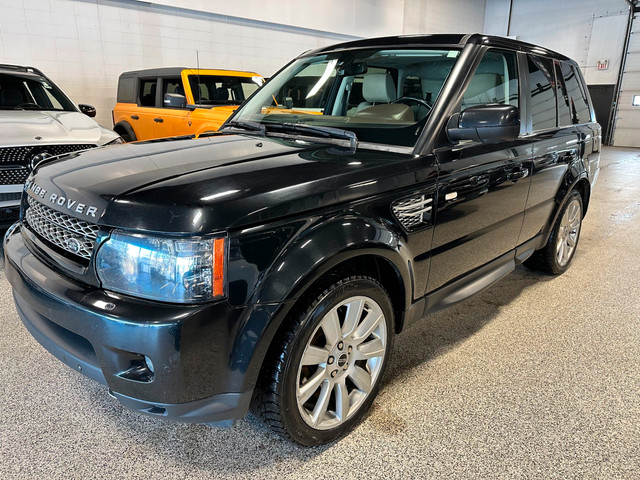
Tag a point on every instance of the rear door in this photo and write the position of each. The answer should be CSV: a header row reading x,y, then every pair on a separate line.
x,y
147,100
483,186
558,139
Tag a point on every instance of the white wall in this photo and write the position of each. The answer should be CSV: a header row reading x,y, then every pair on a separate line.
x,y
84,45
561,25
356,17
444,16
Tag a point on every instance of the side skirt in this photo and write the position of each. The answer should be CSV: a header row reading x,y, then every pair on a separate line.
x,y
471,283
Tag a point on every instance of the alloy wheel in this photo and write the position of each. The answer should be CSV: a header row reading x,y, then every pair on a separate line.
x,y
568,232
341,362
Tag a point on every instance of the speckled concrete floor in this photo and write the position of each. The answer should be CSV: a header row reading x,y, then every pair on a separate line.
x,y
537,377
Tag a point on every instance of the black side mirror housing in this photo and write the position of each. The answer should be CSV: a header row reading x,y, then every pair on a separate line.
x,y
88,110
485,122
175,100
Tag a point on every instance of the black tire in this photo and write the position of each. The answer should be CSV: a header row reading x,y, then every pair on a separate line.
x,y
547,258
126,132
275,401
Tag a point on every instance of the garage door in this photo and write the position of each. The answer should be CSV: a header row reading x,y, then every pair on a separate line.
x,y
627,130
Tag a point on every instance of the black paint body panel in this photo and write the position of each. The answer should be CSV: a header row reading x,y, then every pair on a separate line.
x,y
292,211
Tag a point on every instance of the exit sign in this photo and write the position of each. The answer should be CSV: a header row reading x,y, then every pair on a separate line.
x,y
603,64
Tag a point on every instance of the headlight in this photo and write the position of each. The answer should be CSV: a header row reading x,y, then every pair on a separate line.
x,y
166,269
115,141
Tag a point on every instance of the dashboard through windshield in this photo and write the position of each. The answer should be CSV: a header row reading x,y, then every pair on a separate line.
x,y
382,95
18,92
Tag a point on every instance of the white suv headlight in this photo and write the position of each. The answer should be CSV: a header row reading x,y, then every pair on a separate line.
x,y
182,270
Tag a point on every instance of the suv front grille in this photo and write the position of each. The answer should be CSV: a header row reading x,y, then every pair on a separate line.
x,y
22,155
13,176
68,233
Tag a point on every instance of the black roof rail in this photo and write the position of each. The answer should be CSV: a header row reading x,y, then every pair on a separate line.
x,y
20,68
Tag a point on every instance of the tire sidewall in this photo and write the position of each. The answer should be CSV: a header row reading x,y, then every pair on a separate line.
x,y
309,321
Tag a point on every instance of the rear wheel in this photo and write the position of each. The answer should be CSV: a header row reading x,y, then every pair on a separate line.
x,y
126,132
557,254
325,371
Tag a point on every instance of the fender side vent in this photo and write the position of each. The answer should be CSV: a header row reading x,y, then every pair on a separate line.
x,y
414,212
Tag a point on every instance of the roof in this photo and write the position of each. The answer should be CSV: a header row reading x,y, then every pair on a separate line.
x,y
440,39
173,71
20,69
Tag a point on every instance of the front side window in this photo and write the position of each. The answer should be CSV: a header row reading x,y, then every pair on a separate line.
x,y
221,90
19,92
172,85
543,97
384,96
494,81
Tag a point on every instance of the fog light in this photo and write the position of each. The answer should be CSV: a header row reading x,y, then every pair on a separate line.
x,y
149,363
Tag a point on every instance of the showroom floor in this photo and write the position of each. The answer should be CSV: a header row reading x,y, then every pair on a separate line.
x,y
535,377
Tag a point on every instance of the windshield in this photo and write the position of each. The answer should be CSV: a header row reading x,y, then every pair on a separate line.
x,y
383,96
222,90
19,92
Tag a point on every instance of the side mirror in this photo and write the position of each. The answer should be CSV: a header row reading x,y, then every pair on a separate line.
x,y
174,100
88,110
485,122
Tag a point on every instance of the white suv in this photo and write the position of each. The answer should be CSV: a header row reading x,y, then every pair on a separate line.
x,y
37,121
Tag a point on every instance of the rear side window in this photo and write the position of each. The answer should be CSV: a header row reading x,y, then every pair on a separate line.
x,y
580,112
543,98
564,101
147,93
494,81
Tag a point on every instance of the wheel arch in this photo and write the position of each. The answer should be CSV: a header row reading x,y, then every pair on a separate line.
x,y
124,127
297,274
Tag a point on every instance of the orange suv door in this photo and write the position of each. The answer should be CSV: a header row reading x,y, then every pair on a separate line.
x,y
172,121
148,97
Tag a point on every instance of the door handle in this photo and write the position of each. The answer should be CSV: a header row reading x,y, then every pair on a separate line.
x,y
134,117
158,119
518,174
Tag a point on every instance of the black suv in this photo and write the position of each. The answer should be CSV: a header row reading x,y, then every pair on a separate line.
x,y
271,264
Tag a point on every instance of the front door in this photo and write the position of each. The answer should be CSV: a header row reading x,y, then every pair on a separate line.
x,y
483,186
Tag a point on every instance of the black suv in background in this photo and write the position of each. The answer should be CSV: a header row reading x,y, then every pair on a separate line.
x,y
365,186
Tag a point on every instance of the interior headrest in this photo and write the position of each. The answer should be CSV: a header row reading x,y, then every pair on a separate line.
x,y
379,88
221,93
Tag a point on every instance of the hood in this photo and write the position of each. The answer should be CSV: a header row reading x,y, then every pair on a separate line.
x,y
21,127
210,184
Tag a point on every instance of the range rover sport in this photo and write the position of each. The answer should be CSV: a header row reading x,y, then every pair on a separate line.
x,y
270,265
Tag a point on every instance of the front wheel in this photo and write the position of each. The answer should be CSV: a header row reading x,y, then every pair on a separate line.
x,y
325,371
556,255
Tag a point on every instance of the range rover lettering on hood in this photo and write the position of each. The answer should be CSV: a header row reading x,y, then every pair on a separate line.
x,y
61,201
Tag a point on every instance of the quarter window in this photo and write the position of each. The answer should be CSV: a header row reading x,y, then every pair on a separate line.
x,y
580,112
494,81
543,98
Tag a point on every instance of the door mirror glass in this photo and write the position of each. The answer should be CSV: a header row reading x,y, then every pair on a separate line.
x,y
174,100
485,122
88,110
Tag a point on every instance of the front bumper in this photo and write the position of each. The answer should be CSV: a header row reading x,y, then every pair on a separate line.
x,y
191,375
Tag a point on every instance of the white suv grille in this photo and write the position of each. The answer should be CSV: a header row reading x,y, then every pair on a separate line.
x,y
69,233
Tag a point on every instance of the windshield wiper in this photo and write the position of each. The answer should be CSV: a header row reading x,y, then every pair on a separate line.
x,y
251,126
317,131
